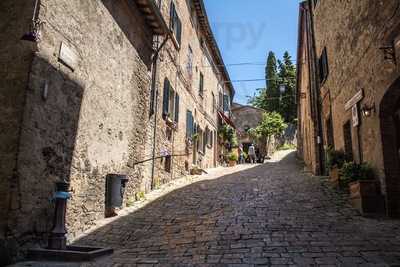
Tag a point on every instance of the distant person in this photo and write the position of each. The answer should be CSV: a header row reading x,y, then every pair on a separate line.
x,y
252,153
241,155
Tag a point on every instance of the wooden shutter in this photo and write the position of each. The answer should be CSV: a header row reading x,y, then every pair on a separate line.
x,y
166,98
178,29
176,108
201,84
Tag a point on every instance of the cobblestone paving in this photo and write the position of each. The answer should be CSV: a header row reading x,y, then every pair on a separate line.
x,y
269,215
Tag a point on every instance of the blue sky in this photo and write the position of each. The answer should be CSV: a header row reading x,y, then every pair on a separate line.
x,y
247,30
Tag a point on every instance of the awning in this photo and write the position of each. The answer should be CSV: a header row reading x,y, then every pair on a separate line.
x,y
226,119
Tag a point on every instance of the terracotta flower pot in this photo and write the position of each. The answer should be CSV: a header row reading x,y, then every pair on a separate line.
x,y
334,176
363,188
232,163
366,198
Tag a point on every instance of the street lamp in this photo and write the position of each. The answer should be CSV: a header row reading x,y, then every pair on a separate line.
x,y
282,90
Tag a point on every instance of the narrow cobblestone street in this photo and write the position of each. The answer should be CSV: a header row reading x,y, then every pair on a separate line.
x,y
272,214
267,215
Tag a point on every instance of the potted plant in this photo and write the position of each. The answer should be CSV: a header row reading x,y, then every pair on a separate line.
x,y
232,158
364,188
335,161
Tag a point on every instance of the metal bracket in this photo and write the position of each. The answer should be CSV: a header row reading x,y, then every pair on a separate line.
x,y
389,53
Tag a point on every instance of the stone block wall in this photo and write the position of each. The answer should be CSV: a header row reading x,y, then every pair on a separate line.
x,y
173,65
353,33
89,123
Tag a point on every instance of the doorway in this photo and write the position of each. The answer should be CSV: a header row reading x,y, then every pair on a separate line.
x,y
389,113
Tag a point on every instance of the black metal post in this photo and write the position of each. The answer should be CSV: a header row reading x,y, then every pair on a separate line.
x,y
57,239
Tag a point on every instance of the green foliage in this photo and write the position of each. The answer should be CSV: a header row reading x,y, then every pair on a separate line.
x,y
228,134
287,147
269,98
335,159
272,124
233,156
140,195
351,172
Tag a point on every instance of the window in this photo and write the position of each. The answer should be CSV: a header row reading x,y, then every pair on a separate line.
x,y
189,124
170,102
221,100
226,103
323,66
209,137
201,84
190,62
214,104
175,23
200,140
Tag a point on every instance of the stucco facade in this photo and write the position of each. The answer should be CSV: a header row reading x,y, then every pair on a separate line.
x,y
77,107
359,39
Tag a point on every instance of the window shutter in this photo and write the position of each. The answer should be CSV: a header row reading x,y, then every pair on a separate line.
x,y
176,108
178,30
172,15
166,98
201,84
226,103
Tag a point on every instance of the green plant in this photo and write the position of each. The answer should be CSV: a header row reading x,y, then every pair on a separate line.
x,y
335,159
351,172
286,147
140,196
228,134
233,156
272,124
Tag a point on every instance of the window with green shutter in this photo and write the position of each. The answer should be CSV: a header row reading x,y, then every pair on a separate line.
x,y
166,98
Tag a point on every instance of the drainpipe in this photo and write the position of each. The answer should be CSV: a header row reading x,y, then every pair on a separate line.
x,y
317,93
155,93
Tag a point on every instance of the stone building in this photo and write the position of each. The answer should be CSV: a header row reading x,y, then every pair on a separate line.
x,y
348,81
83,100
245,118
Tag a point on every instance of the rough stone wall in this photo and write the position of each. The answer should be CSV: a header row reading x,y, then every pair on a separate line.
x,y
173,65
91,123
15,60
306,137
353,32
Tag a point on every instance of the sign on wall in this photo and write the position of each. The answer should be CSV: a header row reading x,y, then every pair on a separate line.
x,y
354,100
68,56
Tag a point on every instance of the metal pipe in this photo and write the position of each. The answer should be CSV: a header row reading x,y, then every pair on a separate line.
x,y
156,93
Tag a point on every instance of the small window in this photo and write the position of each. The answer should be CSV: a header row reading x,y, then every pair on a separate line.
x,y
175,23
214,104
323,66
190,62
201,84
189,124
200,140
170,102
226,103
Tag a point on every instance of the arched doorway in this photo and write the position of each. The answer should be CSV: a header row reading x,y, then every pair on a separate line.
x,y
390,132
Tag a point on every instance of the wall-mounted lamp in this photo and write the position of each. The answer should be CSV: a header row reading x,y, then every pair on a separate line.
x,y
389,53
367,111
34,31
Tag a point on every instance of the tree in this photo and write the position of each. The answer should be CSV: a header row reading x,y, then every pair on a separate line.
x,y
287,76
265,98
278,73
272,124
